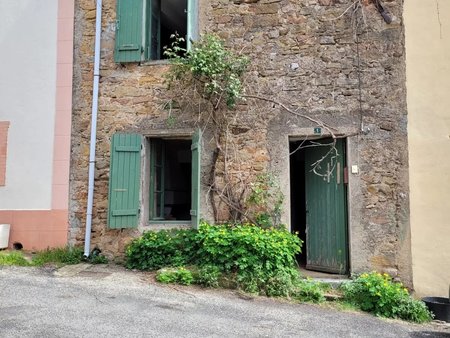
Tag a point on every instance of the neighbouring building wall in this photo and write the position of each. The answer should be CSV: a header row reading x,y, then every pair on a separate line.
x,y
305,54
35,85
28,84
427,29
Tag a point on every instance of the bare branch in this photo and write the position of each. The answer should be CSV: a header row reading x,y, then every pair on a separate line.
x,y
316,121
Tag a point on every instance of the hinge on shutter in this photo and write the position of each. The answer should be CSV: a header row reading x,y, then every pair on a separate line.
x,y
117,25
193,212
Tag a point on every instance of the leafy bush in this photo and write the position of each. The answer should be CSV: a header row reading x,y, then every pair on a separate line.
x,y
262,260
239,248
282,283
413,310
175,275
66,255
13,258
215,69
165,248
207,275
307,290
377,293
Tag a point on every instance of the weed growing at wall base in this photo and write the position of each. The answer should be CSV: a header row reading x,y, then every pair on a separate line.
x,y
57,256
13,258
379,294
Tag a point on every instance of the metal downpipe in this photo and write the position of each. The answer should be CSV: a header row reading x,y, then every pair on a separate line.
x,y
90,200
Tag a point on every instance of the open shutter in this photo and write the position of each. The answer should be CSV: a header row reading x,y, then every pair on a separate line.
x,y
129,31
196,159
192,24
124,181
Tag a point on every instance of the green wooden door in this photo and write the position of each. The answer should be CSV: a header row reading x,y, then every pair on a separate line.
x,y
326,209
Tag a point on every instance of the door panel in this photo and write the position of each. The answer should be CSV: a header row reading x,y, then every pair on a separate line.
x,y
326,214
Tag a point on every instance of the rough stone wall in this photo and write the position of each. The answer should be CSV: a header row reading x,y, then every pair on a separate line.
x,y
304,53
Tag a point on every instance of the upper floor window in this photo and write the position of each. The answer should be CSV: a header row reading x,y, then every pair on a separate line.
x,y
144,27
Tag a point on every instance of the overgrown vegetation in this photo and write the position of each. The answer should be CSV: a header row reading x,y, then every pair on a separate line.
x,y
248,257
62,256
231,248
265,201
13,258
208,82
216,69
57,256
261,261
379,294
166,248
178,275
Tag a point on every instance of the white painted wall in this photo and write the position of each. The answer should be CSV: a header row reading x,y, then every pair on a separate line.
x,y
28,31
427,30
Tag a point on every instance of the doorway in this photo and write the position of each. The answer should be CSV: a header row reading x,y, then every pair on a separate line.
x,y
318,183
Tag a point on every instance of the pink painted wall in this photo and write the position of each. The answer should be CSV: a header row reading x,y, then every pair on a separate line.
x,y
39,229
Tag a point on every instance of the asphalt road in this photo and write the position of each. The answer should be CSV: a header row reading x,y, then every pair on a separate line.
x,y
113,302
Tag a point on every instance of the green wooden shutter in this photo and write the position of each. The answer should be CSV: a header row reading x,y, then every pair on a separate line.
x,y
124,181
192,24
129,25
196,159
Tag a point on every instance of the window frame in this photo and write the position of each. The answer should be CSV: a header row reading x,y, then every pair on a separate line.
x,y
145,35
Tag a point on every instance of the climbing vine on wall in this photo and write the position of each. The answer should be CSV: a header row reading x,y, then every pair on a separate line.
x,y
208,81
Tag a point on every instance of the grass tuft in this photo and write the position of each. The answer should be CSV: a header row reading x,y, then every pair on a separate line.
x,y
13,258
59,256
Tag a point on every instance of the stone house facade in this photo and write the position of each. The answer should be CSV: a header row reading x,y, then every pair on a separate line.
x,y
341,62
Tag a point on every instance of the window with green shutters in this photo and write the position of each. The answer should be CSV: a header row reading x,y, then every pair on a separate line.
x,y
144,27
172,187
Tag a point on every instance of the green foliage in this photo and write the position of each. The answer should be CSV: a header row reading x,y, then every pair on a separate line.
x,y
231,248
13,258
265,201
307,290
210,65
282,283
165,248
239,248
261,260
377,293
413,310
178,275
60,256
97,259
207,275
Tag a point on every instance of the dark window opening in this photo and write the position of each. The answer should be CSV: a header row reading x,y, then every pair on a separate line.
x,y
170,179
167,17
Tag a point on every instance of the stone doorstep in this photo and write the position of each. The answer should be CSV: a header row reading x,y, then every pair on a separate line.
x,y
334,282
